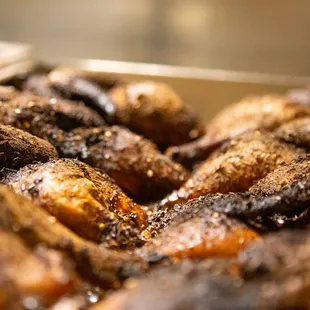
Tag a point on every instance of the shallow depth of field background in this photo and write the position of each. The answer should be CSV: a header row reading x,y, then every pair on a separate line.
x,y
247,35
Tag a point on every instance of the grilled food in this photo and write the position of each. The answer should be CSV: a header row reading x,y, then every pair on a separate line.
x,y
270,274
19,148
84,199
260,112
133,162
196,232
35,226
231,235
148,108
234,167
77,132
296,132
36,272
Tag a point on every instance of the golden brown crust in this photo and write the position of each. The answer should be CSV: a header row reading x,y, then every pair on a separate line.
x,y
284,175
155,111
39,273
235,167
76,86
260,112
84,199
133,162
35,226
210,235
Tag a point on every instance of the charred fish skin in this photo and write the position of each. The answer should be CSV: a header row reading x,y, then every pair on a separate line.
x,y
54,274
184,285
34,225
133,162
295,132
157,112
265,112
75,86
235,167
292,197
41,115
278,266
271,273
280,199
77,132
84,199
148,108
194,231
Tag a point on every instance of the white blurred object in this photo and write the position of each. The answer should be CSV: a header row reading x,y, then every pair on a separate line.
x,y
15,59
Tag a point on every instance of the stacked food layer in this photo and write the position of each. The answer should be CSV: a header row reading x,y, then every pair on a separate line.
x,y
115,195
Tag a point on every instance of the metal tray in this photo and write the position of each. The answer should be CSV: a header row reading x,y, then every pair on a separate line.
x,y
207,90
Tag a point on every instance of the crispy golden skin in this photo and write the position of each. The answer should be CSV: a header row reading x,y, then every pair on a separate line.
x,y
196,232
133,162
277,201
199,238
19,148
155,111
84,199
40,272
149,108
261,112
290,179
35,226
235,167
276,180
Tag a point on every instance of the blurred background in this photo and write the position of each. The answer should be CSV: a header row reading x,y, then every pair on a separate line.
x,y
246,35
